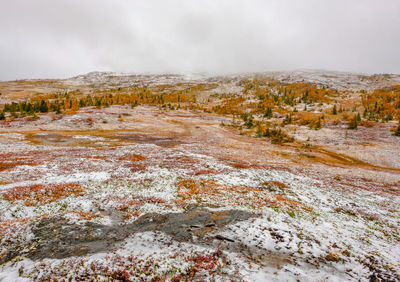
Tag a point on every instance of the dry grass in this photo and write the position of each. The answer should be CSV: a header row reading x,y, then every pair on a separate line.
x,y
88,215
239,165
132,158
7,163
190,189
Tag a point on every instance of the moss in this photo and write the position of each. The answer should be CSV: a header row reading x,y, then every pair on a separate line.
x,y
291,214
346,253
338,178
333,257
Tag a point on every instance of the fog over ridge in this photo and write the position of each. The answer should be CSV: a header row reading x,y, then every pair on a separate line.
x,y
58,39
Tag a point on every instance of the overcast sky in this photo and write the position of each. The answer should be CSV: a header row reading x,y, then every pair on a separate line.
x,y
63,38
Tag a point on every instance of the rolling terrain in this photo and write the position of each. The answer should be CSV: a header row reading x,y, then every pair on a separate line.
x,y
256,177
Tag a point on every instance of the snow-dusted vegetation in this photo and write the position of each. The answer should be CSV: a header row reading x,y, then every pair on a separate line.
x,y
278,176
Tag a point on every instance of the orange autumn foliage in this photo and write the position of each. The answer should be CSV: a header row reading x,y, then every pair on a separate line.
x,y
190,188
39,194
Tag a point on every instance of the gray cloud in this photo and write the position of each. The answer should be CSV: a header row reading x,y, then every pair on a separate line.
x,y
47,38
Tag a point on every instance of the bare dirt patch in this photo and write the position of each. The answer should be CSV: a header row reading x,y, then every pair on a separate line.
x,y
138,138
